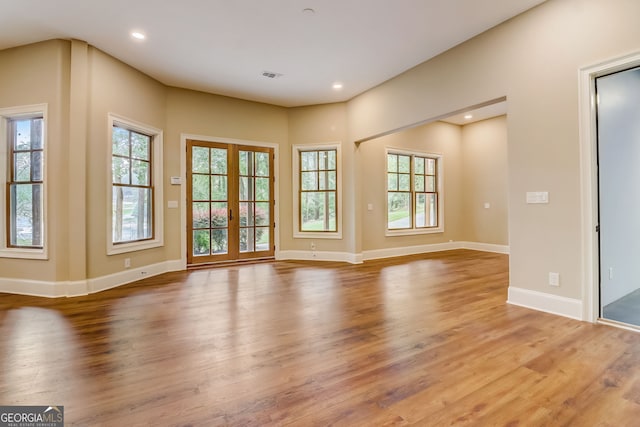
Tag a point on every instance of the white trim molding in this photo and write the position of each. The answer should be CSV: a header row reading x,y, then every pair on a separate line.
x,y
549,303
48,289
355,258
351,258
157,182
24,112
183,188
295,171
98,284
588,178
410,250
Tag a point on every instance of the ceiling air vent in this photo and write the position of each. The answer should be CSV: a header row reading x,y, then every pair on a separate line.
x,y
271,74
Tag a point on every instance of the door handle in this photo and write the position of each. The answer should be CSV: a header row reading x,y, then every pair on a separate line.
x,y
230,214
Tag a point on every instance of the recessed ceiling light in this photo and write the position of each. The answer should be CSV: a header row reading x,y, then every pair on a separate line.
x,y
138,35
468,116
308,11
271,75
337,86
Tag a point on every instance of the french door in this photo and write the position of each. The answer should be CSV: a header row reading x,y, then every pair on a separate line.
x,y
230,202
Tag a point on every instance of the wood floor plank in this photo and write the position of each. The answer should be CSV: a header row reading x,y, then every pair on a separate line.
x,y
422,340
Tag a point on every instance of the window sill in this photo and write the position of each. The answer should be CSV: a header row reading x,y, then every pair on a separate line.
x,y
133,247
16,253
317,235
392,233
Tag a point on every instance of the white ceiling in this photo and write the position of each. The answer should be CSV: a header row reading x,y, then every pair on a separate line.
x,y
224,46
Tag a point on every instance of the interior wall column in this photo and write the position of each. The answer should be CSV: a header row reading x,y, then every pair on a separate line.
x,y
78,116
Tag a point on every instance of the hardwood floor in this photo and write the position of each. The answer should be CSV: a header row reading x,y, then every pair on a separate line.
x,y
422,340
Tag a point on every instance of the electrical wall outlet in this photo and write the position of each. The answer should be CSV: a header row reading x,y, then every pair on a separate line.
x,y
554,279
127,263
313,246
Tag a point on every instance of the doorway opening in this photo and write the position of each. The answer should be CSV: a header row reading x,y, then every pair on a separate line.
x,y
230,202
618,174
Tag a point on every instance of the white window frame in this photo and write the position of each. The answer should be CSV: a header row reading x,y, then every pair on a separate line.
x,y
295,158
440,190
7,114
157,183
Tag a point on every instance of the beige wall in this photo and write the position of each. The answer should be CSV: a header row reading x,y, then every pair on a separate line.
x,y
534,60
114,87
39,74
475,172
436,138
484,180
212,116
319,124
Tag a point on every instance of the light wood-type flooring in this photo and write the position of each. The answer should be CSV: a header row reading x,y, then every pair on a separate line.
x,y
422,340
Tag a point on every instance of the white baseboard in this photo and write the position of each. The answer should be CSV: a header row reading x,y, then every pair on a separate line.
x,y
38,288
437,247
89,286
351,258
410,250
486,247
83,287
549,303
127,276
354,258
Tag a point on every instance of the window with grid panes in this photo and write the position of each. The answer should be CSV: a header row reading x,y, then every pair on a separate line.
x,y
413,191
318,190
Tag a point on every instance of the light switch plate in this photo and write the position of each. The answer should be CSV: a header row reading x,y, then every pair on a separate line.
x,y
535,197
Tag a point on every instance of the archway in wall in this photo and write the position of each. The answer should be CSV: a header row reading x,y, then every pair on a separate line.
x,y
457,161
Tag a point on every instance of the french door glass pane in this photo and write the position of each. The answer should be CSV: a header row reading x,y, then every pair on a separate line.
x,y
262,239
219,214
219,240
262,213
246,214
201,215
219,161
262,164
200,160
262,189
219,187
230,204
244,190
247,240
201,242
210,205
201,189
